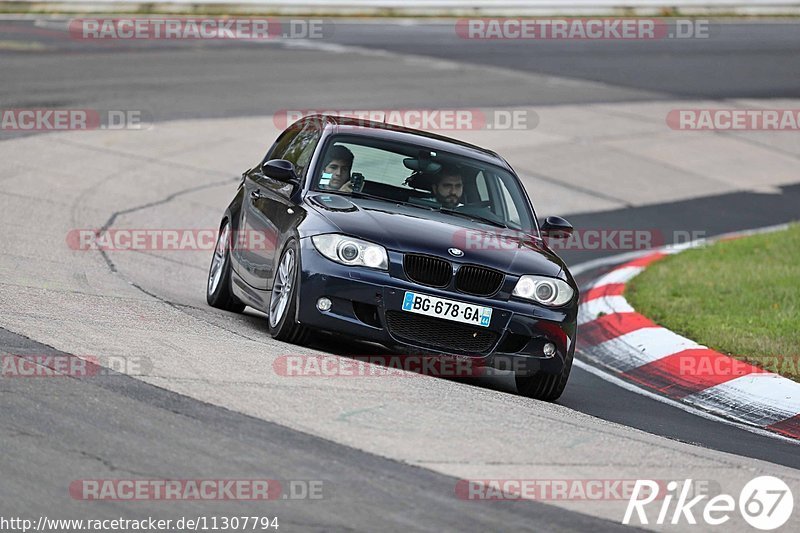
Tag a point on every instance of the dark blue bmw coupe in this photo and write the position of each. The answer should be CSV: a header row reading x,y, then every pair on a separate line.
x,y
404,238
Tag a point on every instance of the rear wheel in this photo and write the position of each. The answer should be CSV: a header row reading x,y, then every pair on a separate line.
x,y
283,300
546,387
218,288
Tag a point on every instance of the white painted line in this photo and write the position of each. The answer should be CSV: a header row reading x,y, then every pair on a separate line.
x,y
580,268
619,275
677,248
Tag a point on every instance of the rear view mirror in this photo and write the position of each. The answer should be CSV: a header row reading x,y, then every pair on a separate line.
x,y
421,165
556,228
281,170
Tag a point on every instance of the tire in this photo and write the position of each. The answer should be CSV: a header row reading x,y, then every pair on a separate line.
x,y
218,287
283,299
545,387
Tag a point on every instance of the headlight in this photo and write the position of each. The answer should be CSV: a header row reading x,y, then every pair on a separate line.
x,y
546,291
351,251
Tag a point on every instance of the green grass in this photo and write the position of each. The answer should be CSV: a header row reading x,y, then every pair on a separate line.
x,y
739,297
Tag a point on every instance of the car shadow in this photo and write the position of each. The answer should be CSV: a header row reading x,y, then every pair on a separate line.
x,y
344,346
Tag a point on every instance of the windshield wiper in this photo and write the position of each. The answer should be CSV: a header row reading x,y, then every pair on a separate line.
x,y
472,217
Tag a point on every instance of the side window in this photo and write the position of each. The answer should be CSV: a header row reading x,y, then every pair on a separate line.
x,y
283,142
483,190
302,147
512,214
297,145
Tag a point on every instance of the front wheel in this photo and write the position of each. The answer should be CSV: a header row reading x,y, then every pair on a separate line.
x,y
218,288
283,300
546,387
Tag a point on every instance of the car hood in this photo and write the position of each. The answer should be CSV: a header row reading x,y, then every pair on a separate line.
x,y
410,229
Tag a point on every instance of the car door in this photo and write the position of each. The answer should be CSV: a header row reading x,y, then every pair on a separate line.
x,y
269,216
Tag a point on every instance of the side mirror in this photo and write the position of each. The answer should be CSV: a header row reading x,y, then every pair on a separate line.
x,y
556,228
281,170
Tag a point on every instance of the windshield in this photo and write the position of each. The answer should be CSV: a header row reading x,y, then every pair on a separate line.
x,y
403,173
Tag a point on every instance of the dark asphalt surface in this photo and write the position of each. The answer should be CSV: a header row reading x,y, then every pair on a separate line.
x,y
737,59
173,80
58,431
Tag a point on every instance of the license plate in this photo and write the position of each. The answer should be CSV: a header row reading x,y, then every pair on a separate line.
x,y
477,315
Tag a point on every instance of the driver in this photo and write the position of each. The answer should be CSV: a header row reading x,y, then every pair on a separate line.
x,y
336,173
448,187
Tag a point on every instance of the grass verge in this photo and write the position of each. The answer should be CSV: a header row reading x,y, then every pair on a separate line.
x,y
739,297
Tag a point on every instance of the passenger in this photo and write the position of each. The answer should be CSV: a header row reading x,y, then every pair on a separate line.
x,y
336,173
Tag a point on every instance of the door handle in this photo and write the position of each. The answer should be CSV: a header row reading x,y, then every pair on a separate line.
x,y
256,195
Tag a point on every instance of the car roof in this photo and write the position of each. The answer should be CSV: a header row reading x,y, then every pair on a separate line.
x,y
390,132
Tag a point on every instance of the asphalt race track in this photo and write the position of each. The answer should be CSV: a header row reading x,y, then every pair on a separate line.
x,y
389,451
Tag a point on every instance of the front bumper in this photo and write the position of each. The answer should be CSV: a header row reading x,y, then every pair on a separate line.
x,y
361,299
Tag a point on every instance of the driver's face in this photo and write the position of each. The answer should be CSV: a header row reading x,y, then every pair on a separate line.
x,y
449,191
340,171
